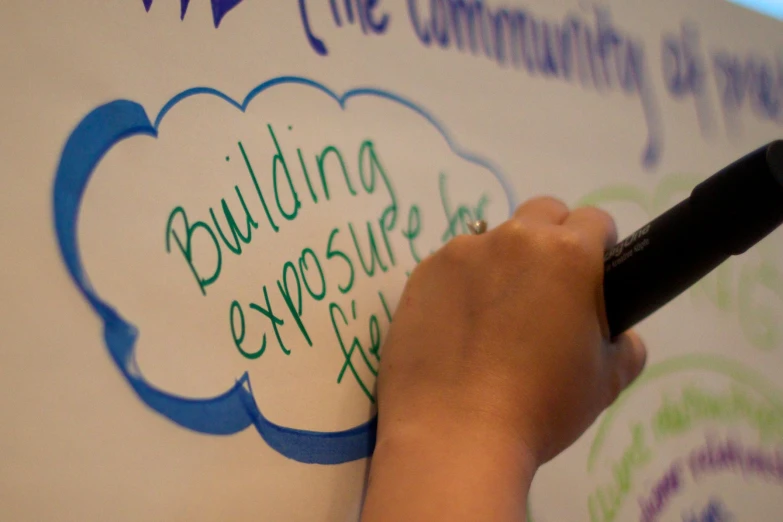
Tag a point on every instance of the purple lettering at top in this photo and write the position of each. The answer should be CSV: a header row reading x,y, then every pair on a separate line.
x,y
685,72
753,81
219,8
369,20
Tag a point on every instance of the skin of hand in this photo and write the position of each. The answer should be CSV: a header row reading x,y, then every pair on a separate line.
x,y
497,360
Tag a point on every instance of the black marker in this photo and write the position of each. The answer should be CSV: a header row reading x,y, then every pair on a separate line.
x,y
725,215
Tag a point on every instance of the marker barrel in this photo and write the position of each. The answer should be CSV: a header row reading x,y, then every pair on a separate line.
x,y
724,215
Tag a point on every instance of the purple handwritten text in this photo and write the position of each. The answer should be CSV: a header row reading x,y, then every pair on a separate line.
x,y
219,8
667,486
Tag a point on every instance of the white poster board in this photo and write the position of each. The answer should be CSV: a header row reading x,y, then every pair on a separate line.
x,y
209,210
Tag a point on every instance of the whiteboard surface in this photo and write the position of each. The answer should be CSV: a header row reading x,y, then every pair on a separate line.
x,y
160,364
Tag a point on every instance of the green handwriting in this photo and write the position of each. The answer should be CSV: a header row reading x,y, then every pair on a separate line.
x,y
605,502
287,203
457,219
696,406
370,354
711,364
354,249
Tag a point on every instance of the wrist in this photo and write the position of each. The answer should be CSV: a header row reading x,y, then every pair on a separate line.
x,y
469,415
463,468
478,438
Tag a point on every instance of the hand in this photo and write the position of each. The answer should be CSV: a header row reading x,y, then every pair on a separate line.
x,y
503,336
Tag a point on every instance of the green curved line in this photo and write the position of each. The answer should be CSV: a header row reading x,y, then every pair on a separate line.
x,y
713,363
616,193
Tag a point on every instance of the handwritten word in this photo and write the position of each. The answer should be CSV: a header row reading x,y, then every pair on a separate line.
x,y
370,356
306,274
286,198
299,279
715,511
724,408
685,72
295,282
664,489
370,21
730,455
593,54
372,260
753,81
714,457
596,55
317,273
698,405
219,8
456,219
606,501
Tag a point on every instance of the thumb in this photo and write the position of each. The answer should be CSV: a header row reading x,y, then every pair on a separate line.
x,y
625,361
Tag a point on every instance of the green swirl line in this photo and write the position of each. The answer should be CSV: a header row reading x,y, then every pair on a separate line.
x,y
713,363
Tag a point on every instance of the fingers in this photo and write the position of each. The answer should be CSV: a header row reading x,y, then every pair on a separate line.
x,y
599,233
625,362
544,209
595,225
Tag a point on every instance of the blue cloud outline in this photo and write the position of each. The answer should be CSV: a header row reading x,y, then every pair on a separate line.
x,y
236,409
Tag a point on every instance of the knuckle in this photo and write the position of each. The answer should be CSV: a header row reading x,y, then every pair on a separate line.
x,y
568,242
551,203
458,250
511,238
599,220
516,237
514,229
601,215
567,248
556,245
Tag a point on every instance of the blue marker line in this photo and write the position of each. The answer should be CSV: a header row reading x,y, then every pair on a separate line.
x,y
236,408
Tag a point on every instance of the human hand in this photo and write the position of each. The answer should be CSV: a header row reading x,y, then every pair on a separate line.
x,y
507,329
497,359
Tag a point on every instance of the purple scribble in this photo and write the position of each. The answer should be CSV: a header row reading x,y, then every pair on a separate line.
x,y
731,455
668,486
183,8
717,455
219,8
